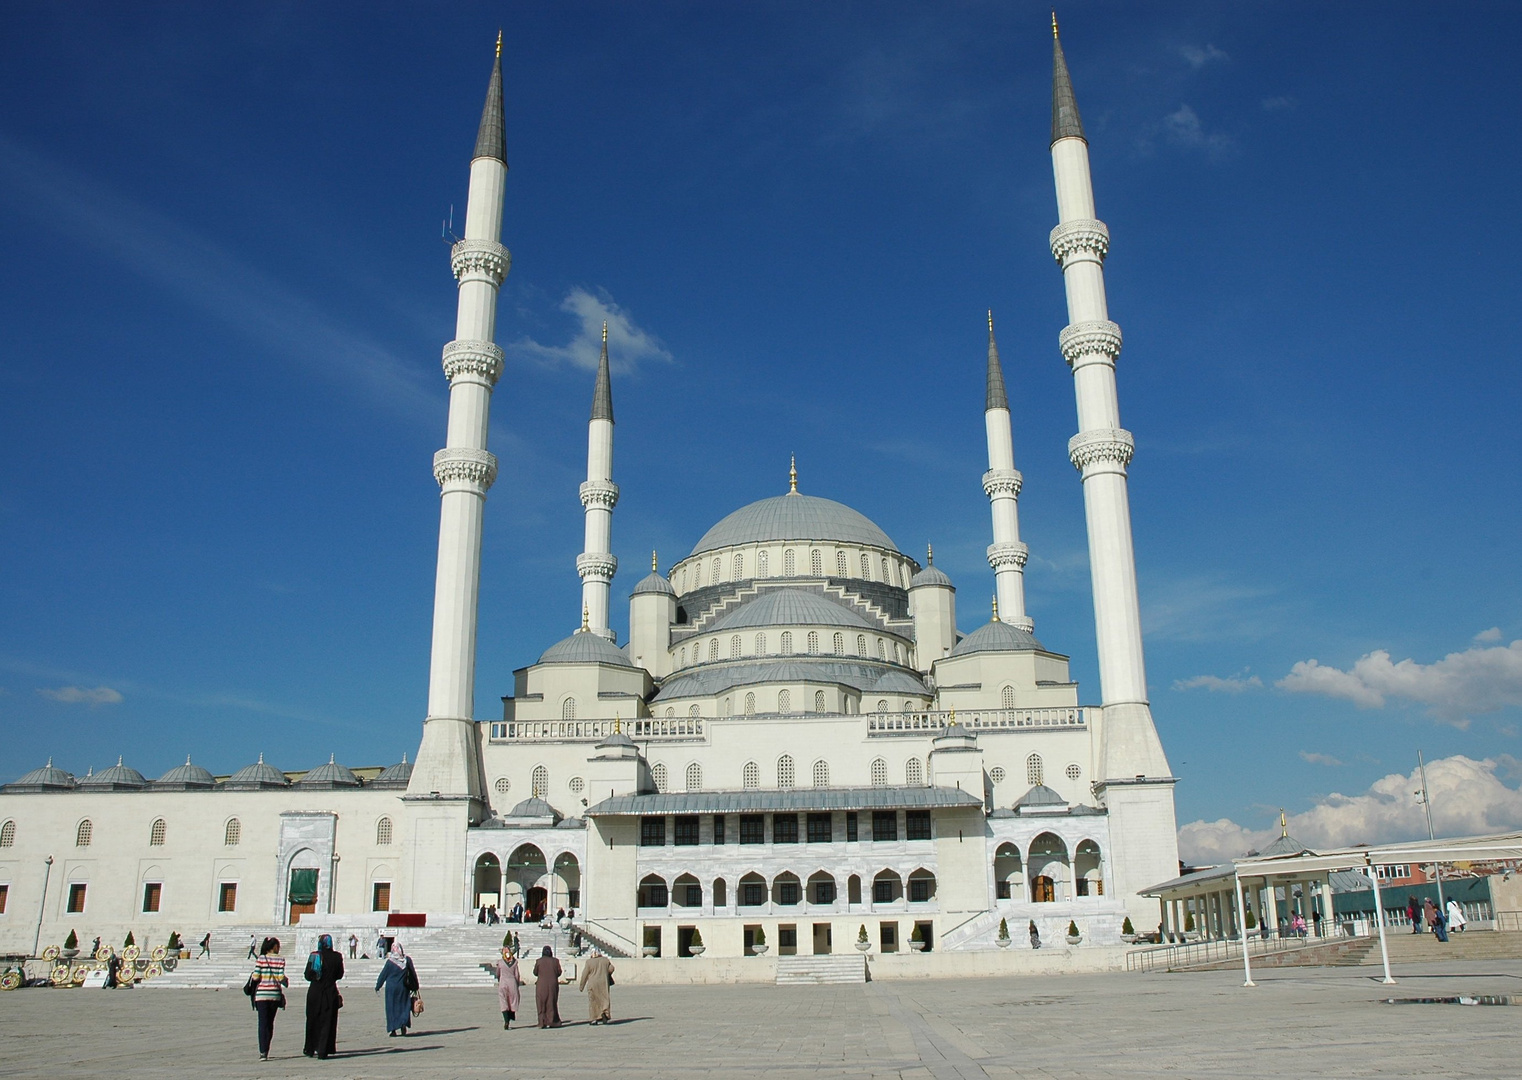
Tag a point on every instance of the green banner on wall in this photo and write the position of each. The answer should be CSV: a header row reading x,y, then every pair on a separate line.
x,y
303,887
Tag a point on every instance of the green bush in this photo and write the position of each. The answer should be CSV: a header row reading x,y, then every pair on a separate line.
x,y
1250,919
507,940
697,939
1072,928
1003,930
72,941
861,935
1126,927
129,941
760,938
916,934
1188,920
174,941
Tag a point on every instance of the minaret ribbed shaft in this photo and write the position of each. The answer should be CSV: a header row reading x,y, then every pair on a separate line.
x,y
1002,482
599,495
1101,451
448,763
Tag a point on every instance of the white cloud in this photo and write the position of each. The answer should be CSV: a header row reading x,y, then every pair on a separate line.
x,y
1481,679
1232,684
628,344
1318,759
83,695
1469,798
1183,128
1493,634
1198,57
1278,104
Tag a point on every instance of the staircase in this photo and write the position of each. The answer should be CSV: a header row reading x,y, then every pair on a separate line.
x,y
1408,948
820,970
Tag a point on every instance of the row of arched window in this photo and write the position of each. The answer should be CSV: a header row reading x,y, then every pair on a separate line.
x,y
813,644
787,889
787,774
889,573
232,832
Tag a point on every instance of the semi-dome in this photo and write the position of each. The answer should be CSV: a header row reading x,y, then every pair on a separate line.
x,y
256,776
1040,797
997,637
118,777
584,647
394,776
794,517
47,778
331,775
898,682
186,777
533,807
791,607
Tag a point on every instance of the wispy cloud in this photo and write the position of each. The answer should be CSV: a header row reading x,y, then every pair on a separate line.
x,y
1232,684
1197,56
82,695
628,344
1318,759
1184,129
1469,798
1278,104
201,272
1487,636
1203,607
1481,679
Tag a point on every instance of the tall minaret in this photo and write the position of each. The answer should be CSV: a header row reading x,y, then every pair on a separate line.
x,y
448,763
1002,483
1134,779
599,495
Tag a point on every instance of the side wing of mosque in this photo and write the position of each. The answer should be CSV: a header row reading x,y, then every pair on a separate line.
x,y
796,745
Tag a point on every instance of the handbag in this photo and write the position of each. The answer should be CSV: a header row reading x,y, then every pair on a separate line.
x,y
252,985
417,1005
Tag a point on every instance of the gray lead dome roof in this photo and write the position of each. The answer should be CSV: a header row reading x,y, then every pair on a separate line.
x,y
653,582
794,517
791,607
48,778
115,778
186,776
585,647
997,637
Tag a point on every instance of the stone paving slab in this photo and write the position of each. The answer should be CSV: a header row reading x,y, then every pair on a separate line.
x,y
1319,1022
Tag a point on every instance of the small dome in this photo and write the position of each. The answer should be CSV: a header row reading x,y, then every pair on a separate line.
x,y
653,583
997,637
572,823
47,778
898,682
931,575
1040,796
331,775
585,647
793,517
618,738
791,607
394,776
256,776
186,777
533,807
118,777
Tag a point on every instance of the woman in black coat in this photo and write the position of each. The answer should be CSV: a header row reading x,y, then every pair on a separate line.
x,y
324,968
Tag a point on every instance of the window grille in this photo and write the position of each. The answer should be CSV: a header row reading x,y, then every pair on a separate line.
x,y
914,772
8,834
861,644
540,782
658,774
840,564
750,704
692,710
232,833
763,561
882,704
1074,772
734,647
713,649
751,775
1033,770
917,825
156,833
784,701
503,785
996,774
1007,697
577,785
568,709
760,644
882,650
879,773
785,774
821,774
694,777
819,701
816,563
866,566
839,644
383,831
788,565
739,564
715,569
787,643
813,642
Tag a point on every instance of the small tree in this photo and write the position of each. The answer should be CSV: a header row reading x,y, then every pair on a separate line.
x,y
916,934
72,941
1188,921
861,935
130,941
760,938
697,939
507,940
1072,928
1250,919
1003,930
1126,927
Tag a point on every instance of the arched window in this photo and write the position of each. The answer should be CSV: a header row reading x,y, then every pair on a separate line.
x,y
840,564
83,834
232,832
670,712
787,643
887,571
762,563
1007,697
813,642
882,704
734,647
692,710
383,832
540,782
682,657
697,574
1033,770
907,706
8,834
750,776
819,701
750,704
839,644
658,774
788,565
785,771
898,651
724,709
879,773
760,644
694,777
784,701
866,566
713,649
821,773
715,569
861,644
882,650
568,709
681,580
739,561
816,563
156,833
914,772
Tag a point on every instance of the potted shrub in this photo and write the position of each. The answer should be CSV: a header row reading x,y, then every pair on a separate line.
x,y
696,946
1074,937
70,946
1250,919
917,939
652,944
1128,932
1003,939
1188,924
758,943
1035,935
862,941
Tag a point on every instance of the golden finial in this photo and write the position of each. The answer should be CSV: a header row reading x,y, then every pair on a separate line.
x,y
499,44
654,562
996,607
953,719
605,332
1283,823
792,474
586,618
1054,24
990,321
929,555
618,725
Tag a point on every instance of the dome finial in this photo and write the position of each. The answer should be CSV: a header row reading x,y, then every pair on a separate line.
x,y
1283,823
618,725
499,36
792,474
929,555
118,760
332,759
261,757
996,607
1054,26
655,564
586,619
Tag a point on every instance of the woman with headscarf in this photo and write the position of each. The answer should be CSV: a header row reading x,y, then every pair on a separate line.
x,y
324,968
509,986
596,977
399,979
1456,920
547,988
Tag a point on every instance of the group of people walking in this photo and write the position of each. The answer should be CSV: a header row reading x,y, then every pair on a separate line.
x,y
1438,920
398,981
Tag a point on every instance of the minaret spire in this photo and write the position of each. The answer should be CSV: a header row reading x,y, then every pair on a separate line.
x,y
599,495
1002,483
1066,122
448,763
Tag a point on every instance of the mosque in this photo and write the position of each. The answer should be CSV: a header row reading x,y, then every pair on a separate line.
x,y
796,746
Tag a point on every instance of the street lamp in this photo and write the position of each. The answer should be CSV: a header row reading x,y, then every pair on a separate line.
x,y
42,905
1426,801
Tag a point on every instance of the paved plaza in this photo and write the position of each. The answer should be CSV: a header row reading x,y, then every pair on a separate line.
x,y
1298,1023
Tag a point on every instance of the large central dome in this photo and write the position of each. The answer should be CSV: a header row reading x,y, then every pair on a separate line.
x,y
793,517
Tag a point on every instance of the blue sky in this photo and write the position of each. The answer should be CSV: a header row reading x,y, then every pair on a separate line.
x,y
225,295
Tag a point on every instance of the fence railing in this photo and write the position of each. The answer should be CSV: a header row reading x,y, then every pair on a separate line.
x,y
918,723
681,727
1170,957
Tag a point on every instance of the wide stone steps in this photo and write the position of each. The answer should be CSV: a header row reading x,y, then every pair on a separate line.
x,y
1408,948
820,970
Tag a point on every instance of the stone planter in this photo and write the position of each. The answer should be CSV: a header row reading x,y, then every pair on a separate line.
x,y
758,950
68,954
1074,939
697,950
1130,939
650,950
917,946
863,946
1002,942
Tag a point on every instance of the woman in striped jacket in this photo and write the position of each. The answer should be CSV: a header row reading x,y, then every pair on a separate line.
x,y
269,994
